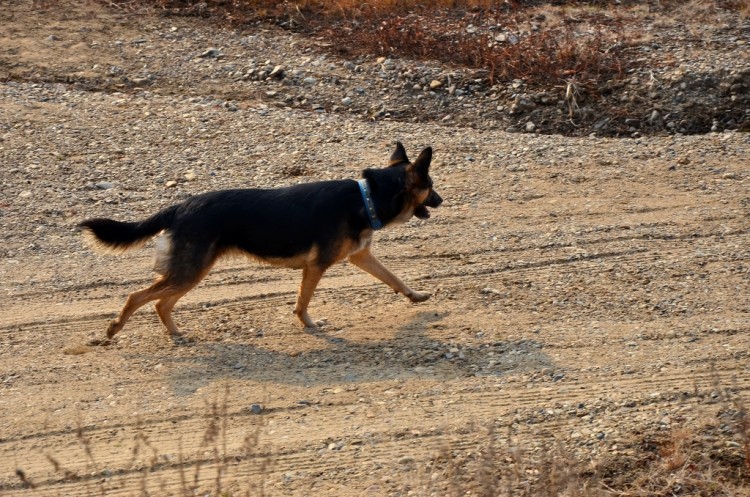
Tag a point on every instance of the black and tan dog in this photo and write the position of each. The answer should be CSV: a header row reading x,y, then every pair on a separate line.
x,y
309,226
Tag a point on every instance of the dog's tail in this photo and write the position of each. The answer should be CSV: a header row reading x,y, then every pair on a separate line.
x,y
119,236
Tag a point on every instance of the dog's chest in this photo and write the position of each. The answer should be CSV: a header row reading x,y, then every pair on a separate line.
x,y
364,241
355,246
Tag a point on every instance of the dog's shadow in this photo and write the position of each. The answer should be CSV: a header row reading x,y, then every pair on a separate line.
x,y
410,353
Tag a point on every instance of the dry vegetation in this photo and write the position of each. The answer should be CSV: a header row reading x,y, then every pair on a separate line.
x,y
710,459
580,42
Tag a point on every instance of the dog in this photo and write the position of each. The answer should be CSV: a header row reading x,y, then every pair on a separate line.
x,y
308,226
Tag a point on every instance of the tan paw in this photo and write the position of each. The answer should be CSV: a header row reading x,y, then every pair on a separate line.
x,y
112,329
419,296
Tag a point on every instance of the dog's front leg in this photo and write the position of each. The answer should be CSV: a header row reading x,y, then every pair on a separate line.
x,y
368,263
311,275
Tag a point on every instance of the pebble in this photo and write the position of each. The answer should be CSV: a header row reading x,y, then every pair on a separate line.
x,y
103,185
211,53
256,408
277,72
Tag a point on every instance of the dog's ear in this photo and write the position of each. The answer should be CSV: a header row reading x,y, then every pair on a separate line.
x,y
422,164
399,155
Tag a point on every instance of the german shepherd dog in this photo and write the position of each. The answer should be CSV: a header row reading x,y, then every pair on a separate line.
x,y
309,226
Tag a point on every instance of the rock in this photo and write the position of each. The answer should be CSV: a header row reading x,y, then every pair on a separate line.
x,y
435,84
190,175
170,184
388,65
256,408
530,127
103,185
346,101
277,72
309,81
141,81
211,53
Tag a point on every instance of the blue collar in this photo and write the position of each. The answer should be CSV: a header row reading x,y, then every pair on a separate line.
x,y
364,189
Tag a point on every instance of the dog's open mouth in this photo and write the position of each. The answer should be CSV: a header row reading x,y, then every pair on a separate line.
x,y
421,212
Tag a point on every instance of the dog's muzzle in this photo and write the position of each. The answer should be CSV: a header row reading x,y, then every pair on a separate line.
x,y
433,200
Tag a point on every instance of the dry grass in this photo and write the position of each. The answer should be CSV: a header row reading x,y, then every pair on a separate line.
x,y
710,458
707,458
537,55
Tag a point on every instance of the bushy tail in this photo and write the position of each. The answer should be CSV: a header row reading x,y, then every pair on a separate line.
x,y
121,236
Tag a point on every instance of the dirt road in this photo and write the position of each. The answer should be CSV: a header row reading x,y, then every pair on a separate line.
x,y
584,290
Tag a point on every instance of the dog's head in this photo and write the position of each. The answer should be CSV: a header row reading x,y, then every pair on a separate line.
x,y
420,191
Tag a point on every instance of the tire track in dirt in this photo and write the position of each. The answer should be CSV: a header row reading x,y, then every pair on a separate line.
x,y
267,293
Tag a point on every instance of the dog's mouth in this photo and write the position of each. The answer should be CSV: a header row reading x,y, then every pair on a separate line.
x,y
421,212
433,200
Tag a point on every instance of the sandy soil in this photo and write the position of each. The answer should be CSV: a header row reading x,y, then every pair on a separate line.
x,y
585,290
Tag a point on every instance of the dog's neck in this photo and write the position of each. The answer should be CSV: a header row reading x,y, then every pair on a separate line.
x,y
372,215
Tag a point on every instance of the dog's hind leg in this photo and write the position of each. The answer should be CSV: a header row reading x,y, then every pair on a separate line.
x,y
370,264
160,289
164,309
186,268
311,275
165,304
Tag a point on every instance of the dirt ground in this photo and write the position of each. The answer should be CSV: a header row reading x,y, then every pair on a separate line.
x,y
585,290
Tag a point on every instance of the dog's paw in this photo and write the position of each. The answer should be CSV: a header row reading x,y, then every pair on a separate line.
x,y
306,320
419,296
112,329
